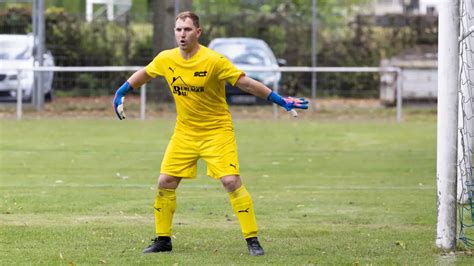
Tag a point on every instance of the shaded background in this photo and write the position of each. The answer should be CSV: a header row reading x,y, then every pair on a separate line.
x,y
349,33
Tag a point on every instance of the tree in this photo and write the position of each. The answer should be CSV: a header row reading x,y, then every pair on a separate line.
x,y
164,14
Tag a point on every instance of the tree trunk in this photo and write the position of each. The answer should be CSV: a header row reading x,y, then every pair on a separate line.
x,y
186,5
163,24
164,15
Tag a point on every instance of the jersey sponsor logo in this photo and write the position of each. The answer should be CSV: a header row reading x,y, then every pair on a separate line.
x,y
246,210
200,73
178,78
185,89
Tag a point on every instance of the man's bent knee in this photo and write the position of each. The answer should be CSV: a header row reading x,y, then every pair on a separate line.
x,y
231,182
167,181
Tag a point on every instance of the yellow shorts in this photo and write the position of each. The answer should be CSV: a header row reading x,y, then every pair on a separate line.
x,y
219,153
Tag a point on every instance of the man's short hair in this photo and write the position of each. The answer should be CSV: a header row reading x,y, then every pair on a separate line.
x,y
191,15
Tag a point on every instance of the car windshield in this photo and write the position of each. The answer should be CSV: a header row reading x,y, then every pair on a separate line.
x,y
240,53
13,49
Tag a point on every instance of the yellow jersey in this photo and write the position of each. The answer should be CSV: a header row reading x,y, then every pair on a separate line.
x,y
198,88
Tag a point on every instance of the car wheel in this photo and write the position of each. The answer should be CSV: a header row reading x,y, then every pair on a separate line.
x,y
48,97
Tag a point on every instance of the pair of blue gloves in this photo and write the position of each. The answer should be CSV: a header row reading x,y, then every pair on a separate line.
x,y
289,103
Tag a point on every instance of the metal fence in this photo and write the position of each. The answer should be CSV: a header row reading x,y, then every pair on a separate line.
x,y
143,94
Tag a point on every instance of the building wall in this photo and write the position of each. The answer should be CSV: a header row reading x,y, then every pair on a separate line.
x,y
381,7
418,84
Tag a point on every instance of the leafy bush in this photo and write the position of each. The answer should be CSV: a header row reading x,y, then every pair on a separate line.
x,y
343,38
77,43
15,20
74,42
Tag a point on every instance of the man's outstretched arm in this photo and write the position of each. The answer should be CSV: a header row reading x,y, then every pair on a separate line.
x,y
135,81
258,89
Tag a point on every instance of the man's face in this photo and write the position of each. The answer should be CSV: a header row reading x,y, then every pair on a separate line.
x,y
186,34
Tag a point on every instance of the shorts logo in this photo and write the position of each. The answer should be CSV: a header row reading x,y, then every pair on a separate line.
x,y
158,209
200,73
233,165
246,210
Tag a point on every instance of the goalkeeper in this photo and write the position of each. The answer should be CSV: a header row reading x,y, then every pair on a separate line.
x,y
196,76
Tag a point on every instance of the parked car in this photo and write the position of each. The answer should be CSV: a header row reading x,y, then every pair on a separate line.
x,y
248,52
17,51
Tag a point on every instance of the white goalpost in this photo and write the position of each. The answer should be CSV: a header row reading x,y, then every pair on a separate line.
x,y
448,71
455,124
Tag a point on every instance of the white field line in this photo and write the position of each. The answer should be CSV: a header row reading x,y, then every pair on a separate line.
x,y
291,187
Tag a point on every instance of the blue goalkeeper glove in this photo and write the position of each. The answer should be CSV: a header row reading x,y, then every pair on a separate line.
x,y
118,99
289,103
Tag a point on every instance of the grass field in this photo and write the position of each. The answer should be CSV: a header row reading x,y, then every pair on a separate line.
x,y
80,191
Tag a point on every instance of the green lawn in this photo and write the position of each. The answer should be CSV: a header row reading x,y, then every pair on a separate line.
x,y
81,191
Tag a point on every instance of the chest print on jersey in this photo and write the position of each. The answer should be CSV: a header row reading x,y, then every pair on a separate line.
x,y
181,88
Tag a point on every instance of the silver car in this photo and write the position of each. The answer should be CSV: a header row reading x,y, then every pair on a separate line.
x,y
248,52
17,51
